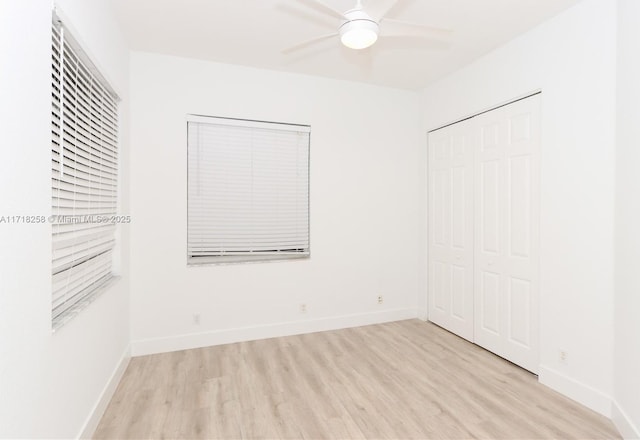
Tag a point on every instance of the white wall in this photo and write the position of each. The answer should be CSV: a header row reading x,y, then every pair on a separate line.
x,y
49,383
367,183
572,59
366,222
627,292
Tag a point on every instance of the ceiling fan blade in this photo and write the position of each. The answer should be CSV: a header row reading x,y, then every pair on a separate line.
x,y
389,27
378,10
309,42
322,6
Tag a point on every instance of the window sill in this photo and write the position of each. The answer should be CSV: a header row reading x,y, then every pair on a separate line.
x,y
71,313
235,259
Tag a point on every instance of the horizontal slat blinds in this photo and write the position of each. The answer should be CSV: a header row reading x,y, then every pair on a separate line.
x,y
248,190
84,176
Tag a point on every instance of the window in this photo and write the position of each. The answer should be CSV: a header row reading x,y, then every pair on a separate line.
x,y
248,190
84,158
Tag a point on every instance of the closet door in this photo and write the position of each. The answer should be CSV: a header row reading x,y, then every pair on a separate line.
x,y
450,267
506,232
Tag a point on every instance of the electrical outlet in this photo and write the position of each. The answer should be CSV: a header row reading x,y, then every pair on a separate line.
x,y
303,308
563,357
196,318
380,299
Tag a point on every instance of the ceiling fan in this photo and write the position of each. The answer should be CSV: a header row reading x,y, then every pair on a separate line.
x,y
360,28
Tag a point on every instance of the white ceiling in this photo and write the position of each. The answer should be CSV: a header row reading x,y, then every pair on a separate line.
x,y
254,33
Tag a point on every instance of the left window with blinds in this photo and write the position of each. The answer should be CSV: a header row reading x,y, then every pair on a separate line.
x,y
84,177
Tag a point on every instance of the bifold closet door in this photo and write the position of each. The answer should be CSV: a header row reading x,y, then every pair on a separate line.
x,y
483,230
450,267
506,234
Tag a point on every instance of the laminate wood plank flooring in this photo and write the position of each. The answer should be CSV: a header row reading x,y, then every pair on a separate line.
x,y
400,380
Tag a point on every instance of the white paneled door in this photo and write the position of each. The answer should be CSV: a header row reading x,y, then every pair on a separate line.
x,y
451,228
501,226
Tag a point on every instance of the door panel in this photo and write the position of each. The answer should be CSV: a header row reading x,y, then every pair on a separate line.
x,y
459,288
519,200
440,216
519,312
441,286
489,199
489,302
459,201
507,198
450,266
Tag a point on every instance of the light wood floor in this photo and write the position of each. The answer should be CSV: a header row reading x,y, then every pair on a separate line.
x,y
400,380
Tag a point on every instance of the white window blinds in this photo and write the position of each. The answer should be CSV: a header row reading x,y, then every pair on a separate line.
x,y
84,178
248,190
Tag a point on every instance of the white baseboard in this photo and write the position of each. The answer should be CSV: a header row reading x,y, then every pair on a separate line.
x,y
623,422
573,389
228,336
98,410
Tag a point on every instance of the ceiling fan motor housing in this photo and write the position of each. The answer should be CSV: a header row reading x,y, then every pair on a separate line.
x,y
359,31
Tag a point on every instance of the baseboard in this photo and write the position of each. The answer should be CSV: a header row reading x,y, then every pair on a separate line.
x,y
573,389
98,410
623,422
228,336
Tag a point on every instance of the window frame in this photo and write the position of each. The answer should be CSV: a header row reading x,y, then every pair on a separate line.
x,y
249,257
66,304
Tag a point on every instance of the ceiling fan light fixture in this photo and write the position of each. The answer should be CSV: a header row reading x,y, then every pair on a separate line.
x,y
359,30
359,33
